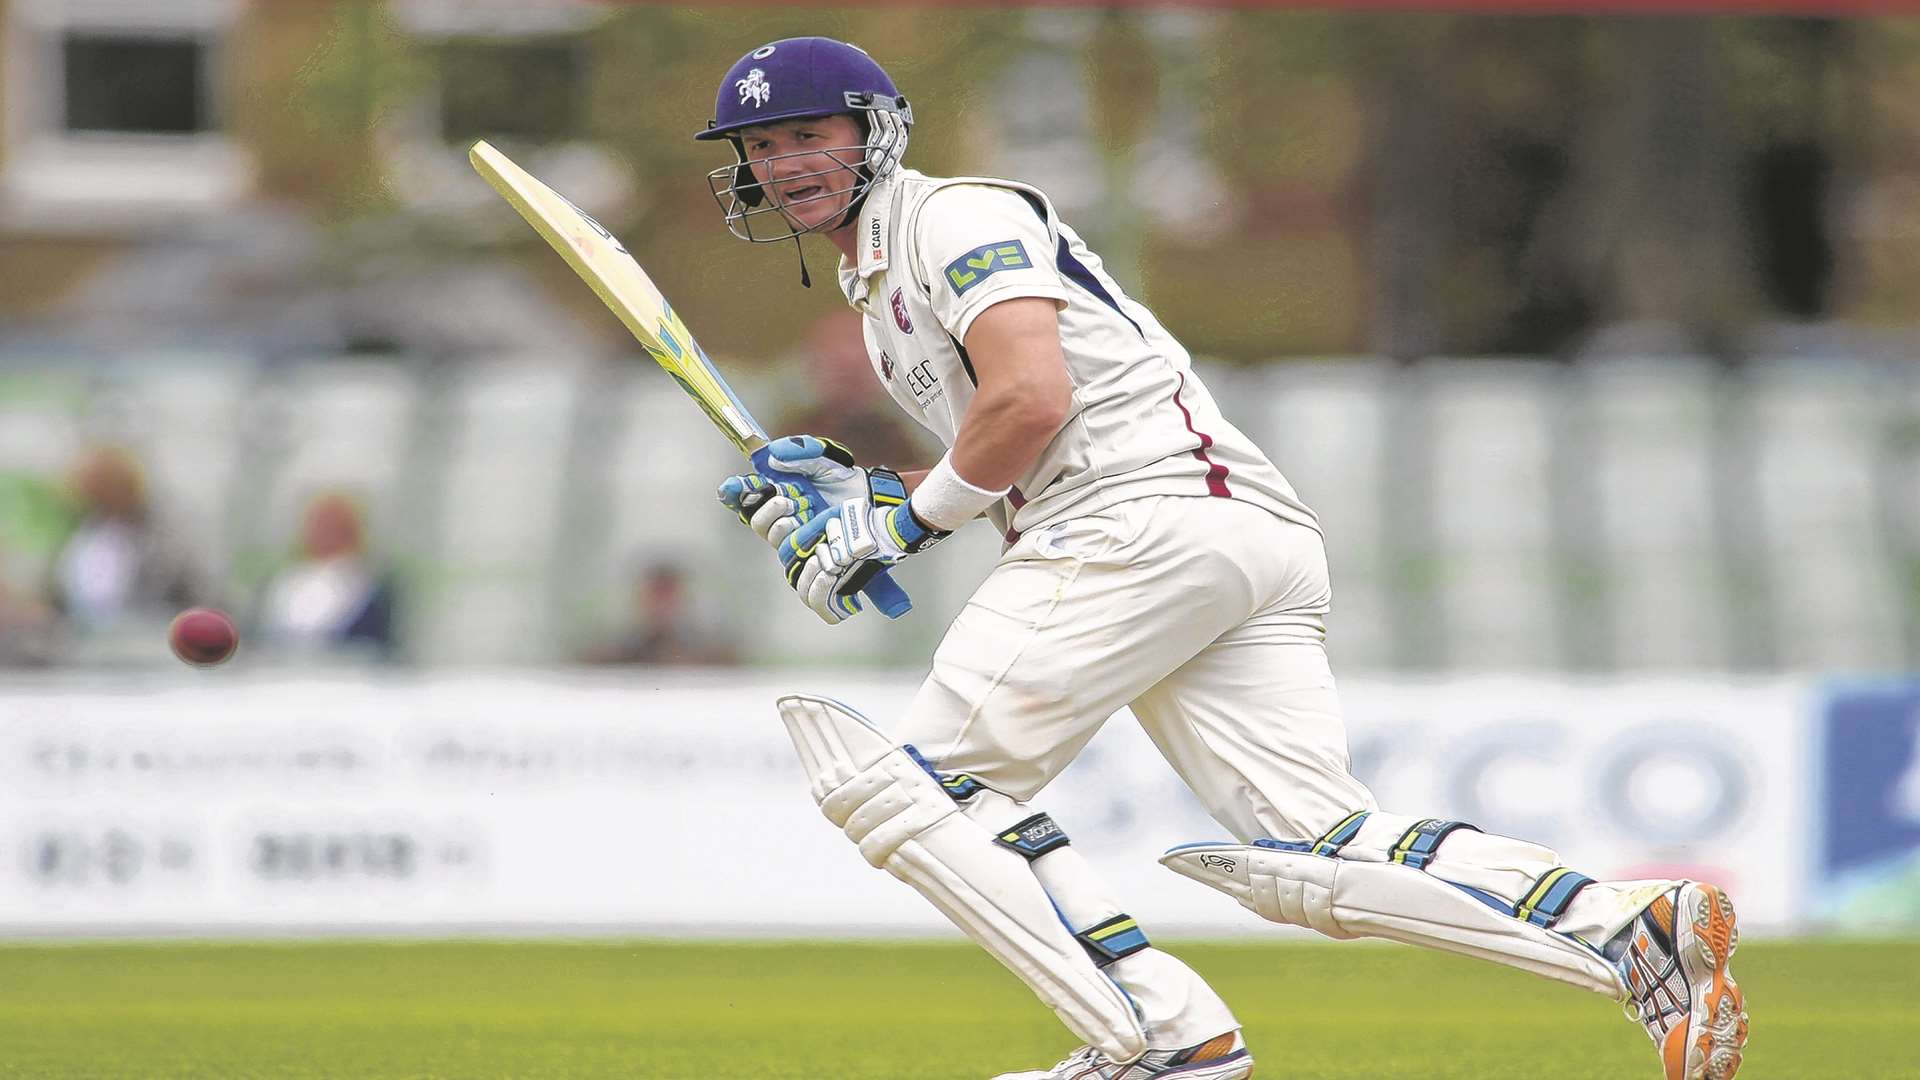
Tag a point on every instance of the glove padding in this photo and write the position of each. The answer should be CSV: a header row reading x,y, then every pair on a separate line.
x,y
830,556
772,507
771,510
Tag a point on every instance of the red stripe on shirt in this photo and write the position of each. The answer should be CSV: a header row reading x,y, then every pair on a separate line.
x,y
1216,472
1018,500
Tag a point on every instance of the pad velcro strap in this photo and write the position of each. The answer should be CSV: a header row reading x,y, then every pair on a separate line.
x,y
1418,845
1550,896
1340,835
1113,939
1033,837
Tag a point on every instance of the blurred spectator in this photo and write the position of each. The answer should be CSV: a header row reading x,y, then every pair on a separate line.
x,y
27,628
334,598
122,569
664,631
846,401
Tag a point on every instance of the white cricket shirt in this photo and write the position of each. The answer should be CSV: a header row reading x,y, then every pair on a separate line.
x,y
935,253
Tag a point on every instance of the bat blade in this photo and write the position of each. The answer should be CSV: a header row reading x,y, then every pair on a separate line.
x,y
604,263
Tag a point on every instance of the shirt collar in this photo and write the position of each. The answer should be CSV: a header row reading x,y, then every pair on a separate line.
x,y
876,235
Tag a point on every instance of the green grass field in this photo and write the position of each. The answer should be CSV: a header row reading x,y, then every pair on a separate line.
x,y
869,1012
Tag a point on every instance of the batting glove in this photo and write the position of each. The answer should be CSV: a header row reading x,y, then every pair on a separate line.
x,y
773,506
829,557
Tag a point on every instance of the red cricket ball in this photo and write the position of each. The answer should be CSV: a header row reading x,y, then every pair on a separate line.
x,y
203,637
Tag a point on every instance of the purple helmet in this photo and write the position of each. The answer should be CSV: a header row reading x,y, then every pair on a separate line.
x,y
792,79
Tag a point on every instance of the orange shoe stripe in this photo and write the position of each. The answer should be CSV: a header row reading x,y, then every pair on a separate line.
x,y
1217,1047
1662,912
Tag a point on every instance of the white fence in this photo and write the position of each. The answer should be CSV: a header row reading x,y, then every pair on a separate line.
x,y
674,803
1482,515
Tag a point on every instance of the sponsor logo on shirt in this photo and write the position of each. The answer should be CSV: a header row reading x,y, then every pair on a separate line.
x,y
983,262
922,383
886,366
900,313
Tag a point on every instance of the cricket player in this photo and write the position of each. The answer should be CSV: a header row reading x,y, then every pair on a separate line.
x,y
1155,559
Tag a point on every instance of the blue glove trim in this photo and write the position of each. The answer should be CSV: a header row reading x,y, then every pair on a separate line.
x,y
885,487
801,447
798,547
907,531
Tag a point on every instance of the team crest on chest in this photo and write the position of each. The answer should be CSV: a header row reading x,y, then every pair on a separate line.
x,y
754,88
900,318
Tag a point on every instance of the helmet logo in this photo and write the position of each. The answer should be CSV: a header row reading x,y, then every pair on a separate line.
x,y
754,88
763,52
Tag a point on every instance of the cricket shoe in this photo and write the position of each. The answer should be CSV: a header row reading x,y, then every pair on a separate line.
x,y
1673,958
1223,1057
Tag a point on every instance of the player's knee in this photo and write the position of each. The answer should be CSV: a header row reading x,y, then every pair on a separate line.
x,y
886,804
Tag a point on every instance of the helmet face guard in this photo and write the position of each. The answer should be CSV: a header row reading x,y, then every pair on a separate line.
x,y
797,79
757,214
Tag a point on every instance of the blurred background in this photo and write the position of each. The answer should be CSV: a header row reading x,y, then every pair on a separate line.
x,y
1590,333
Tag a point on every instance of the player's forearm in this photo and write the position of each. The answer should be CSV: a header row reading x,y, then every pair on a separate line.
x,y
1023,396
1004,441
1005,431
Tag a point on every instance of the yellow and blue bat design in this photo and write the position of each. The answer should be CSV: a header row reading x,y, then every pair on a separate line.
x,y
605,264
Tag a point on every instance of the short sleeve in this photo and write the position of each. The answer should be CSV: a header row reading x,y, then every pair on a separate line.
x,y
978,245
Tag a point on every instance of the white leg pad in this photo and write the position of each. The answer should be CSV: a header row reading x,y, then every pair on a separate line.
x,y
903,821
1343,898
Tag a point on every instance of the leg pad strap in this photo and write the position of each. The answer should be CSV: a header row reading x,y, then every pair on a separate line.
x,y
1114,939
1034,837
1417,845
1551,896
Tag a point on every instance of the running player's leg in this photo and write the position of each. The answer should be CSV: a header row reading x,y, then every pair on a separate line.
x,y
1253,723
1254,726
1051,646
1663,946
1273,771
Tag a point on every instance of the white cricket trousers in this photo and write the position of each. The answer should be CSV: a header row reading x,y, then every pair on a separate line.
x,y
1205,614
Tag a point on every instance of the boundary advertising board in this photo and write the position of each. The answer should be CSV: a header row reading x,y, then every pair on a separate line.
x,y
673,803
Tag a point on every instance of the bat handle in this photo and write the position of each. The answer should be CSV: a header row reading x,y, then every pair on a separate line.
x,y
873,581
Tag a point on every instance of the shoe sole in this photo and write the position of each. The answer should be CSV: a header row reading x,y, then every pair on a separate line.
x,y
1708,1047
1235,1068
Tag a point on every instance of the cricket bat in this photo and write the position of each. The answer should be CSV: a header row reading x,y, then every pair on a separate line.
x,y
604,263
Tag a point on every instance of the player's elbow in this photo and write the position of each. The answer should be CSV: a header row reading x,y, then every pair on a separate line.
x,y
1055,407
1044,405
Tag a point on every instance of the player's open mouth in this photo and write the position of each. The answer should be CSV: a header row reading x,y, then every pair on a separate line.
x,y
796,194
